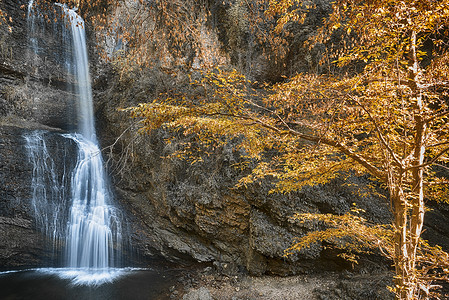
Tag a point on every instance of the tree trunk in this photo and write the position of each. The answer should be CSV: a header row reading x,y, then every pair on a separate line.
x,y
405,286
409,227
417,216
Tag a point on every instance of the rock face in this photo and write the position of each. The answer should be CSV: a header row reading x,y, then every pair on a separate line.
x,y
32,74
19,242
195,211
33,96
22,242
181,210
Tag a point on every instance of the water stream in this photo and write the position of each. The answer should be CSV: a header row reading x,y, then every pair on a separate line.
x,y
50,185
94,228
79,212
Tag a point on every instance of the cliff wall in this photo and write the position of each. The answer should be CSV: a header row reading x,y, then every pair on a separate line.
x,y
33,96
184,210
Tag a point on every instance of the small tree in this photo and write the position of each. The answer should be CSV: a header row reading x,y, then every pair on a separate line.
x,y
388,120
399,101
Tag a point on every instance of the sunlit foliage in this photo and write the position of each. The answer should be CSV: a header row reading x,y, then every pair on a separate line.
x,y
2,16
4,19
387,117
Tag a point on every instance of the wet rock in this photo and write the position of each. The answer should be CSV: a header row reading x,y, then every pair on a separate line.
x,y
22,242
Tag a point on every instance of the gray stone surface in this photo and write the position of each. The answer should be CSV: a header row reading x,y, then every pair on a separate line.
x,y
181,210
21,242
199,294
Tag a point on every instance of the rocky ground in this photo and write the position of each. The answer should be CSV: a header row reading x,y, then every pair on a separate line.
x,y
206,284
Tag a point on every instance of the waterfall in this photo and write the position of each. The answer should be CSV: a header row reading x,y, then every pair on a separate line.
x,y
32,18
92,218
83,86
91,225
43,50
49,185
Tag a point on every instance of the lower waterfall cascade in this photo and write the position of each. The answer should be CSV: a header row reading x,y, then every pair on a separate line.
x,y
93,225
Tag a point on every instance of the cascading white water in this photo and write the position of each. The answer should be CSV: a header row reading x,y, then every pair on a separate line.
x,y
83,85
89,230
90,239
92,225
31,20
92,219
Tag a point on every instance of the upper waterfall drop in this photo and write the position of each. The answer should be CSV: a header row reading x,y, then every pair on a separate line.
x,y
86,125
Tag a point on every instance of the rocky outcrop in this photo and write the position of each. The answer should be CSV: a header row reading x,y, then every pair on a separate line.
x,y
19,242
33,74
22,242
181,210
194,210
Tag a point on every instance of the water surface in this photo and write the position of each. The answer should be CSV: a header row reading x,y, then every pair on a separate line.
x,y
55,284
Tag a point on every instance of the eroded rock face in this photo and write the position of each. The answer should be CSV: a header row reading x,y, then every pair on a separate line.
x,y
181,210
20,243
33,75
33,96
22,239
194,210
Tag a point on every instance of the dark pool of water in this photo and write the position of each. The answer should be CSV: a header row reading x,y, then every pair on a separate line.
x,y
55,284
